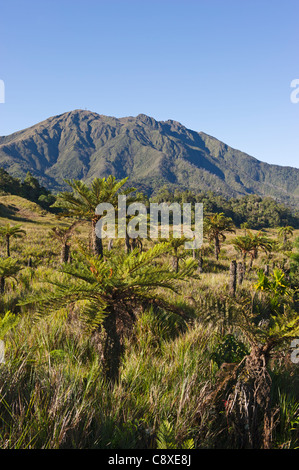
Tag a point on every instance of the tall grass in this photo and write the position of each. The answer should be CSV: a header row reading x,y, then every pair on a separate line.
x,y
53,393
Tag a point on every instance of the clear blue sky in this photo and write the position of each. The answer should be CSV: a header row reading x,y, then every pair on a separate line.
x,y
219,66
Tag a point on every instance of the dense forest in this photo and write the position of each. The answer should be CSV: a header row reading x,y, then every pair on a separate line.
x,y
30,189
136,344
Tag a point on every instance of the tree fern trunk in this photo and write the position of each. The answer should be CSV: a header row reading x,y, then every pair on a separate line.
x,y
217,248
266,269
233,278
8,246
240,272
200,269
175,261
199,258
96,242
110,347
250,263
65,253
2,284
110,244
127,243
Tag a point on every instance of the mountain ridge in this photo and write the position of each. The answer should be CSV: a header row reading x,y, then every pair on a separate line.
x,y
81,144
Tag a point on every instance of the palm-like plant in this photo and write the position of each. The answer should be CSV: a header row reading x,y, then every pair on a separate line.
x,y
63,235
249,245
284,233
278,327
215,227
11,231
268,321
262,242
111,293
245,226
8,268
175,244
243,244
84,200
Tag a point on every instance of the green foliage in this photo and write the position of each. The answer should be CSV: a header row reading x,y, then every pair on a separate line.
x,y
101,284
294,267
30,189
276,284
271,320
84,199
7,323
250,212
249,244
9,267
166,438
287,432
229,349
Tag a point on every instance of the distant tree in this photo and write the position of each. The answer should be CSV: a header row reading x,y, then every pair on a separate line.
x,y
249,245
215,227
175,244
8,231
46,200
284,233
63,235
244,245
245,226
31,187
8,184
84,200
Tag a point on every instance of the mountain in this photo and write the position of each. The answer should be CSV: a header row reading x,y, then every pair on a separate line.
x,y
84,145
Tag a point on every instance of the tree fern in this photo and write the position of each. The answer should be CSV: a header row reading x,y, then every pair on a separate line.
x,y
111,292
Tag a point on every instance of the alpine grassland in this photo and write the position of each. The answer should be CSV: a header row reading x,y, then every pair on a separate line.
x,y
142,344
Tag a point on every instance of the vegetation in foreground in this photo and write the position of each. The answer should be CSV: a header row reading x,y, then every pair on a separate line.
x,y
123,348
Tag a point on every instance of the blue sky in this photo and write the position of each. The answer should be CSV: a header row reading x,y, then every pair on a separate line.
x,y
223,67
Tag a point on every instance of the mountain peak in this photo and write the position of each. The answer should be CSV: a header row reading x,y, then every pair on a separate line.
x,y
147,120
82,144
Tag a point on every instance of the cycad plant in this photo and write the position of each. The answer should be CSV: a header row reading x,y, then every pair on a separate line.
x,y
11,231
110,293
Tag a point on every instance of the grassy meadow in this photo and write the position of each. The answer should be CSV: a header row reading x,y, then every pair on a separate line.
x,y
182,380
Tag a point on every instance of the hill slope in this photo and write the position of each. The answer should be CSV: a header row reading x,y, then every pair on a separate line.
x,y
83,145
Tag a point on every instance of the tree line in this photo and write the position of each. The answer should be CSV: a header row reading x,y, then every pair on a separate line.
x,y
29,188
252,209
